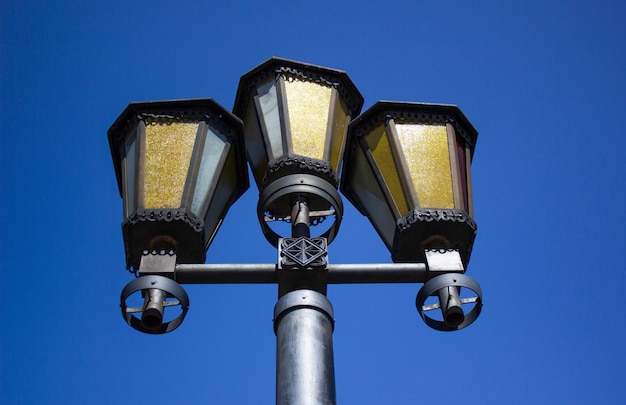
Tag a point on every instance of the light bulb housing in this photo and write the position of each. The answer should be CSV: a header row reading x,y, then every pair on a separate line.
x,y
407,168
180,165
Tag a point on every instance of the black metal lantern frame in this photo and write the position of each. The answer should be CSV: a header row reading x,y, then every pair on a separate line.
x,y
296,117
212,175
383,188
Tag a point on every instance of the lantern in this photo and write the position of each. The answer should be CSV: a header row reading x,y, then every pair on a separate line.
x,y
407,168
296,117
179,165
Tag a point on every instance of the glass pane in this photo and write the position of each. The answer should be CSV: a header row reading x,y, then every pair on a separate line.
x,y
381,150
308,104
224,192
213,148
339,131
168,153
268,99
370,196
130,170
426,152
254,143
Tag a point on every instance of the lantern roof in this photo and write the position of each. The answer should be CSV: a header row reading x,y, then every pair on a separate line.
x,y
275,65
415,112
201,109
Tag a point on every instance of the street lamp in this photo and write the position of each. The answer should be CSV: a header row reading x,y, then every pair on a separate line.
x,y
181,164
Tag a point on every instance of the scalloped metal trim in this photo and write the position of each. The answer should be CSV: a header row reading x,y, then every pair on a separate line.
x,y
185,230
296,164
430,215
422,229
178,116
326,78
166,215
417,117
312,76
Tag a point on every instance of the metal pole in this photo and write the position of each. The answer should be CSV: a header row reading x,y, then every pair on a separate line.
x,y
305,372
247,273
152,314
303,323
300,220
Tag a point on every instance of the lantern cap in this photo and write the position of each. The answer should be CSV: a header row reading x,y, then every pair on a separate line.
x,y
200,109
275,66
384,110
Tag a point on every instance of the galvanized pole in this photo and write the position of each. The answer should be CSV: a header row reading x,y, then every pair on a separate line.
x,y
305,373
304,323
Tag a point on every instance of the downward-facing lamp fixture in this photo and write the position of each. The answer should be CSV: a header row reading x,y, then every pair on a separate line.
x,y
179,166
296,117
407,167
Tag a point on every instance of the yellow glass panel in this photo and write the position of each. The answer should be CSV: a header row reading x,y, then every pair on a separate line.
x,y
426,152
168,153
308,104
378,143
339,131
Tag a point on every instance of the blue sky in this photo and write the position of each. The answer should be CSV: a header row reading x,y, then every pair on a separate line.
x,y
543,83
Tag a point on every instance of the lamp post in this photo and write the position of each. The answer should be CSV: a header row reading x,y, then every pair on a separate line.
x,y
180,165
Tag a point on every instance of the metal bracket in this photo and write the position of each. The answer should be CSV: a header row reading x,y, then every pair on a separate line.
x,y
162,263
302,263
302,253
275,202
440,261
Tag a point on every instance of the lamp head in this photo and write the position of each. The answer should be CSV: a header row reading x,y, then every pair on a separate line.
x,y
296,118
407,168
179,166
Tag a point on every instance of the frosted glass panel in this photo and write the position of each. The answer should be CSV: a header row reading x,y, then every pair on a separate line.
x,y
254,144
426,152
168,153
130,172
308,104
381,151
213,149
226,189
370,196
268,99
